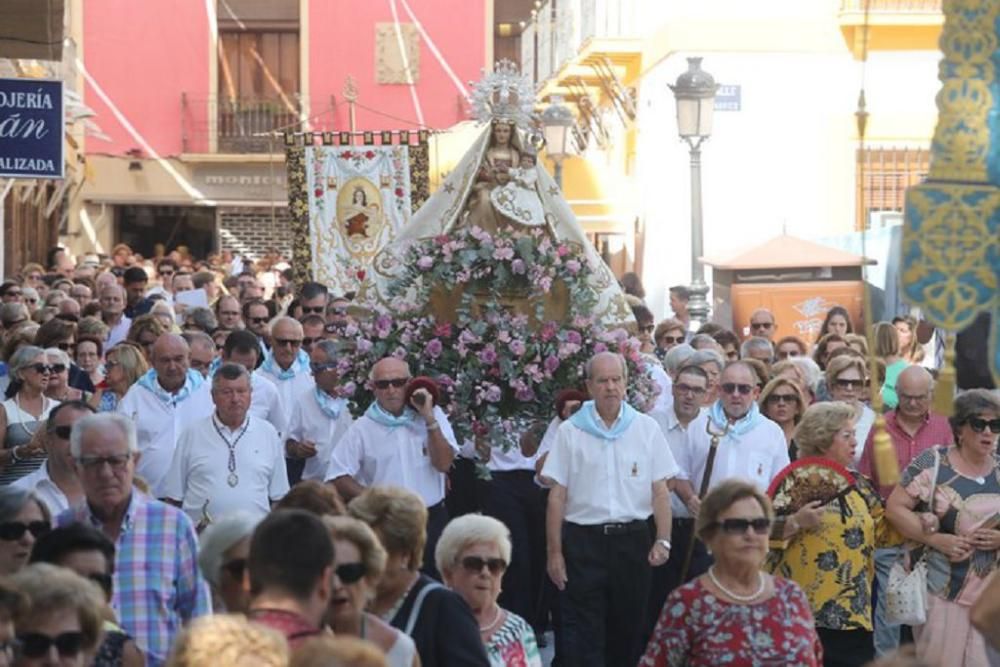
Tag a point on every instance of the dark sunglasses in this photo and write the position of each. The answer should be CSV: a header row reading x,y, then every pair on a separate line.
x,y
671,340
12,531
31,300
41,368
66,347
979,425
761,325
258,320
318,310
781,398
394,382
37,645
760,526
319,368
13,292
349,573
788,353
290,342
236,568
732,388
850,384
475,564
58,368
117,462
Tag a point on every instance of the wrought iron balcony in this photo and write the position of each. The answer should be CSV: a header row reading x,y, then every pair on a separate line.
x,y
235,125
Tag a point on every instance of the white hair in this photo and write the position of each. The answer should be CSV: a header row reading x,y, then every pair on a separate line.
x,y
57,354
679,355
810,369
220,537
102,421
756,343
466,530
589,368
284,319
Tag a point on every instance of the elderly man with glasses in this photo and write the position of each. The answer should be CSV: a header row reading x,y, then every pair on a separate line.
x,y
409,444
763,324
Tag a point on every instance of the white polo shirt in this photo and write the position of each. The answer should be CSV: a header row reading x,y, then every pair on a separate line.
x,y
118,332
200,469
289,390
159,424
39,483
676,435
375,454
265,402
309,422
610,481
757,456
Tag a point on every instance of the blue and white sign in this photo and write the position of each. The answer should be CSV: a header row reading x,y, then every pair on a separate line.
x,y
728,98
31,128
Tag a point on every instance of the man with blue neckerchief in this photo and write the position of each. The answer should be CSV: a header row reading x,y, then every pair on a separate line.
x,y
162,402
609,466
398,444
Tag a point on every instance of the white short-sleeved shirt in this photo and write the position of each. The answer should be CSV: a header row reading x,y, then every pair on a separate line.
x,y
375,454
289,390
309,422
42,486
265,402
159,424
676,435
757,456
609,481
118,332
200,469
665,398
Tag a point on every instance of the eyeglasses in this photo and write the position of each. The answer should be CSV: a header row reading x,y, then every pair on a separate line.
x,y
784,354
475,564
108,365
319,368
307,342
290,342
66,347
761,325
58,368
31,300
235,568
117,462
41,368
37,645
781,398
62,432
337,310
13,292
850,384
258,320
393,382
318,310
671,340
760,526
11,531
732,388
349,573
103,580
912,398
682,388
978,424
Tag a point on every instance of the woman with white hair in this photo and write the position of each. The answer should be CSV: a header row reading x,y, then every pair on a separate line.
x,y
712,362
223,550
472,555
24,413
58,387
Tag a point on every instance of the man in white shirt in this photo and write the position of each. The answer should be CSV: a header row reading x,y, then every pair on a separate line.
x,y
55,482
410,446
243,347
319,418
287,365
112,301
609,465
230,461
161,403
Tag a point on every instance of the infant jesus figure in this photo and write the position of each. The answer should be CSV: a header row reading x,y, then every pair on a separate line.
x,y
518,200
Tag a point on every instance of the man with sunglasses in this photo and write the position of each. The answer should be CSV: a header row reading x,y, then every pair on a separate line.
x,y
763,324
162,402
55,482
243,348
394,443
913,428
157,585
312,299
609,465
287,366
319,418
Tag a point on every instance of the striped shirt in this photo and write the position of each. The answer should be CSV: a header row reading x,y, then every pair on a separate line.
x,y
158,586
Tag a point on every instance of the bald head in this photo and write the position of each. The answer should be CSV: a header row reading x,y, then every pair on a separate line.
x,y
171,359
913,387
389,377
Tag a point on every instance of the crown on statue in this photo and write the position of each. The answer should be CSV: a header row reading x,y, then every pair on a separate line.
x,y
504,95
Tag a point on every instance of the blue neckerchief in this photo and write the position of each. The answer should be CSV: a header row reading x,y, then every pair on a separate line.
x,y
214,366
739,428
380,416
330,406
191,384
587,419
301,364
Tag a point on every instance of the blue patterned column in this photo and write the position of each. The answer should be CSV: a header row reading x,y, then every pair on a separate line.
x,y
951,241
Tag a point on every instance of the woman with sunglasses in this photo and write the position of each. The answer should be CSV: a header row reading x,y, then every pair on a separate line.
x,y
24,413
360,563
58,387
961,548
833,560
223,549
472,556
124,365
63,624
722,616
23,519
668,334
782,402
846,377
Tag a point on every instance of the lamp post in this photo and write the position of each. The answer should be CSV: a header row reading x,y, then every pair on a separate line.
x,y
557,120
695,95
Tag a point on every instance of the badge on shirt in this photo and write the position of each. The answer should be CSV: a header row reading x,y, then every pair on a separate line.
x,y
760,469
635,469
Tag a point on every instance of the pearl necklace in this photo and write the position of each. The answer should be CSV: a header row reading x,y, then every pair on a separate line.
x,y
739,598
485,629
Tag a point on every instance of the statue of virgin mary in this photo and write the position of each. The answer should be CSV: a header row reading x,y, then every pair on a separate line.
x,y
503,101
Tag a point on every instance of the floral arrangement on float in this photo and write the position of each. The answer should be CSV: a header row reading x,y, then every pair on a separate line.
x,y
501,322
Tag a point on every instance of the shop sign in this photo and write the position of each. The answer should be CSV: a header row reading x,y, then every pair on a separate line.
x,y
31,128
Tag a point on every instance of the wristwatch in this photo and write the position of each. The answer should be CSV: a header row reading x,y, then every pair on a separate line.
x,y
664,543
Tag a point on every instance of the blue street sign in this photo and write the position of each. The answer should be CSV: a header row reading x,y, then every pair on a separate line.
x,y
31,128
728,98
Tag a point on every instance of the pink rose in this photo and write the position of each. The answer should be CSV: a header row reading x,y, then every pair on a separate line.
x,y
551,364
434,348
488,355
562,250
573,266
425,263
517,347
501,254
493,394
518,267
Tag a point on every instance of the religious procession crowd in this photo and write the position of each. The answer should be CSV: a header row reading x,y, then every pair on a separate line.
x,y
182,483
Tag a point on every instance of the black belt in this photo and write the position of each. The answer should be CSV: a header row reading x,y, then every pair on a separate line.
x,y
613,528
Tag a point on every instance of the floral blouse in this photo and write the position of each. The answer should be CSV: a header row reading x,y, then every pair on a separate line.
x,y
962,505
513,645
697,629
834,563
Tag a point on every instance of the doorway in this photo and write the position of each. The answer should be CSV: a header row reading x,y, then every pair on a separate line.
x,y
142,227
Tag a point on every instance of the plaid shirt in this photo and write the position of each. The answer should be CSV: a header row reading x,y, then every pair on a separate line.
x,y
157,583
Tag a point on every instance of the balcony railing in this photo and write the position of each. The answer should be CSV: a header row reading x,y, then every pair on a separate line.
x,y
235,125
893,6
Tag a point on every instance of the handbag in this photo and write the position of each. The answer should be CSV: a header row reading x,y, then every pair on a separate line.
x,y
906,592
